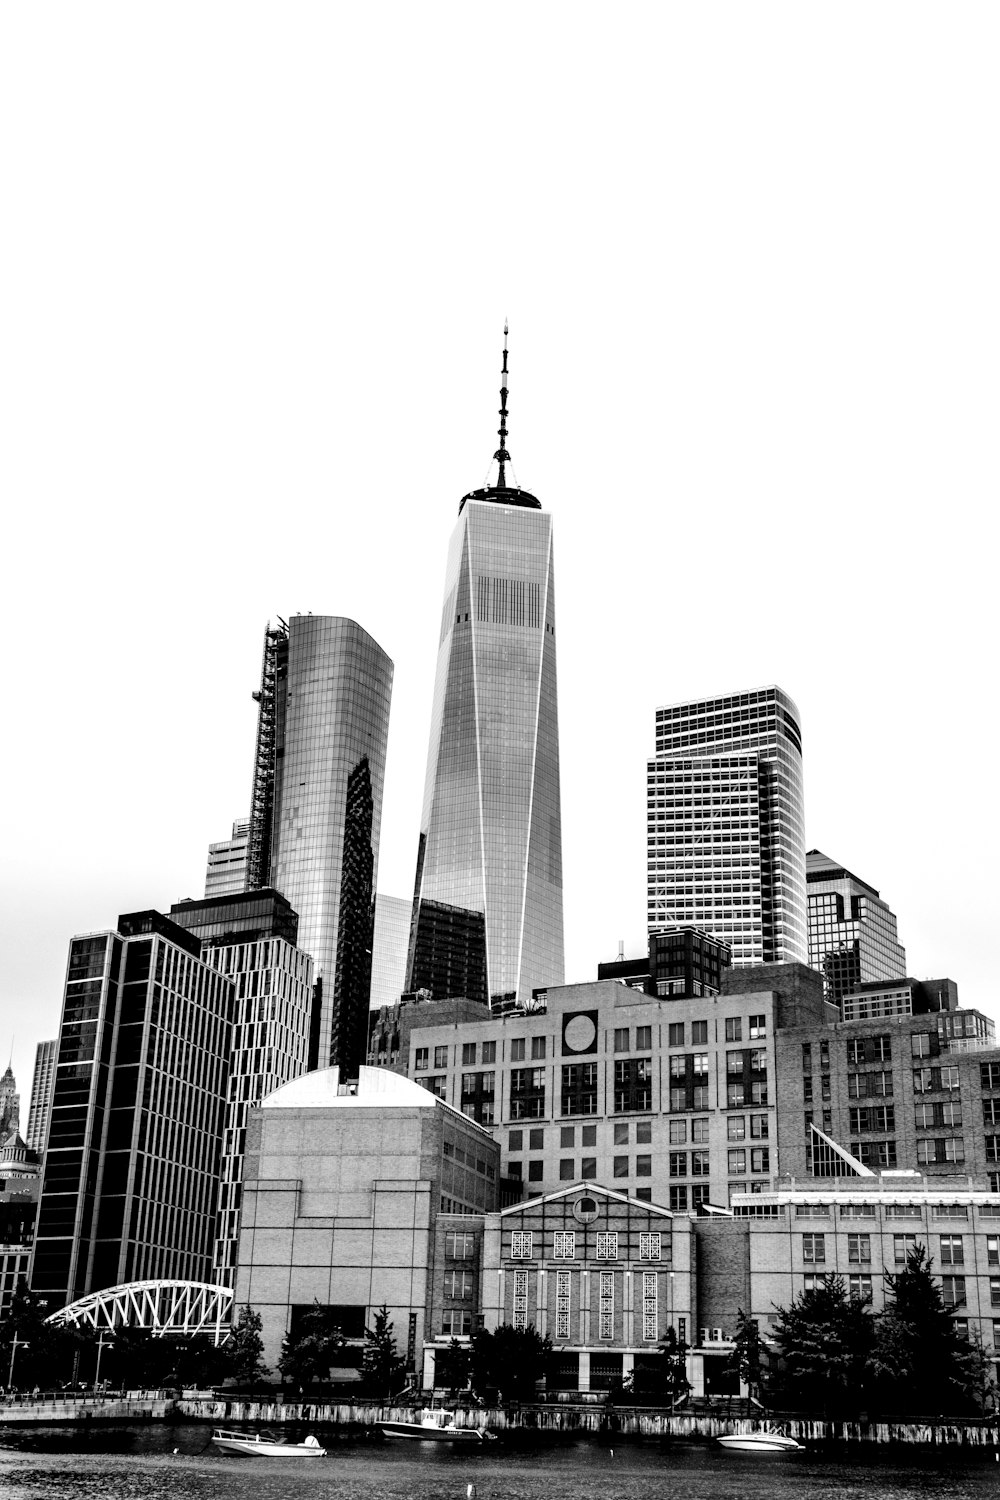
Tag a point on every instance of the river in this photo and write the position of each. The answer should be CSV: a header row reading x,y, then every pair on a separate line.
x,y
158,1462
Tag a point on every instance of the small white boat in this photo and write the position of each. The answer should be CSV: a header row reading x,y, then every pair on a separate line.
x,y
434,1425
265,1445
760,1442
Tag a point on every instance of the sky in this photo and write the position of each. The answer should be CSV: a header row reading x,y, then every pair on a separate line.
x,y
254,269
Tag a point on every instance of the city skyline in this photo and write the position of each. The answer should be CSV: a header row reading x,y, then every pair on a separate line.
x,y
761,420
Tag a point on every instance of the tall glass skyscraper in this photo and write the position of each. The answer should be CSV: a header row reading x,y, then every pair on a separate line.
x,y
317,807
491,838
725,835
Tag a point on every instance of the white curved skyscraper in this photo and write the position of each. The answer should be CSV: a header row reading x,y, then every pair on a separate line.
x,y
488,918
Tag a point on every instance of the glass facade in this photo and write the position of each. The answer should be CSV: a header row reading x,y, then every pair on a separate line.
x,y
226,870
491,839
329,713
131,1167
852,933
41,1095
725,835
389,945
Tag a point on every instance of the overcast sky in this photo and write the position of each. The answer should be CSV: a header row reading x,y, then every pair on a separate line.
x,y
254,268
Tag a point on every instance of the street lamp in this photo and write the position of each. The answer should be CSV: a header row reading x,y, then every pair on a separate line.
x,y
17,1344
101,1343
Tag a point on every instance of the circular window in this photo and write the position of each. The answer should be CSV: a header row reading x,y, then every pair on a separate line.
x,y
585,1210
580,1034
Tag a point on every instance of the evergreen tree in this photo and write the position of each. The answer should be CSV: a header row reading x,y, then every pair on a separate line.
x,y
243,1352
825,1338
308,1353
746,1360
921,1364
454,1366
382,1368
510,1361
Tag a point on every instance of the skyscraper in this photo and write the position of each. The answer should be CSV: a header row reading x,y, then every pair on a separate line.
x,y
131,1167
491,839
725,840
852,932
317,806
389,946
226,870
41,1095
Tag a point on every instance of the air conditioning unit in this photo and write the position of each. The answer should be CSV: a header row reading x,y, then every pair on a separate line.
x,y
717,1335
703,1332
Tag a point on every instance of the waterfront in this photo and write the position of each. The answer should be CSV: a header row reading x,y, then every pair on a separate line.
x,y
124,1463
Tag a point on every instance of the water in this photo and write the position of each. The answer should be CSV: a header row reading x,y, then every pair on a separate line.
x,y
125,1463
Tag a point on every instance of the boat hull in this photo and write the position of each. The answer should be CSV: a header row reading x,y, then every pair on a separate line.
x,y
256,1447
431,1433
759,1442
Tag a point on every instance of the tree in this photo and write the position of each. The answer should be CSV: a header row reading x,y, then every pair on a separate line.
x,y
306,1353
45,1352
243,1352
746,1359
662,1376
510,1361
453,1367
919,1362
381,1368
825,1338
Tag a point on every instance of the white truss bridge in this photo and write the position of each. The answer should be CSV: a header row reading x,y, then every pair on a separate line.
x,y
179,1309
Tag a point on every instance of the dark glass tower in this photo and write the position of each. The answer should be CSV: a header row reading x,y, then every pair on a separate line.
x,y
317,806
491,839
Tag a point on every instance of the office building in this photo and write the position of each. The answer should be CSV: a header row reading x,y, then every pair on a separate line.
x,y
316,809
681,963
852,932
41,1095
19,1169
725,841
226,871
250,938
131,1167
389,947
491,840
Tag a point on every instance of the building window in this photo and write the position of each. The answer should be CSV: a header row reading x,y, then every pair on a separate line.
x,y
588,1135
758,1127
421,1060
535,1171
699,1164
436,1084
699,1034
678,1132
644,1038
952,1250
521,1295
699,1132
634,1085
734,1029
563,1284
515,1140
859,1248
607,1247
758,1028
760,1159
678,1163
527,1093
649,1307
644,1132
678,1199
455,1322
807,1056
458,1285
995,1299
621,1038
953,1290
620,1166
675,1034
736,1127
536,1140
520,1245
737,1162
649,1246
644,1166
814,1249
735,1096
992,1250
440,1057
564,1245
567,1135
468,1054
644,1194
621,1135
588,1168
812,1281
699,1194
517,1049
860,1287
537,1048
489,1052
607,1306
459,1246
579,1089
566,1165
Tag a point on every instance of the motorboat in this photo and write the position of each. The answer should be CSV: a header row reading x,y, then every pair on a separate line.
x,y
435,1426
265,1445
762,1441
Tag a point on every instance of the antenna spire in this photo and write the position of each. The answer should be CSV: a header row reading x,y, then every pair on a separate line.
x,y
501,455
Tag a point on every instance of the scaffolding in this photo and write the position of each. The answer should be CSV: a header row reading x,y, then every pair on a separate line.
x,y
262,799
